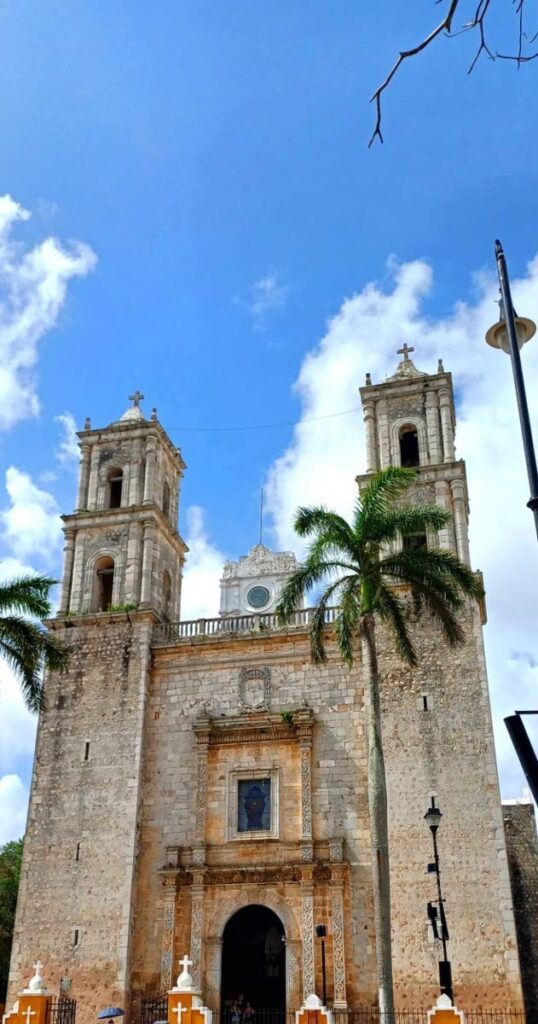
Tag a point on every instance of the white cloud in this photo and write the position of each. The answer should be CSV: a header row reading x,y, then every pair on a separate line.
x,y
14,804
68,452
267,295
33,286
323,458
203,569
31,524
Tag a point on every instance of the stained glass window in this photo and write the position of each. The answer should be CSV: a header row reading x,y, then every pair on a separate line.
x,y
254,805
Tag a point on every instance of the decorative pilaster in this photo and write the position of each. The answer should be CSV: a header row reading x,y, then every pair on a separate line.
x,y
147,564
82,496
197,925
94,478
369,427
447,429
69,554
167,945
149,478
134,558
446,538
432,427
202,729
339,959
460,520
134,473
307,932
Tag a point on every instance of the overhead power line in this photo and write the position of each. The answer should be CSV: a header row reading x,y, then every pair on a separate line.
x,y
263,426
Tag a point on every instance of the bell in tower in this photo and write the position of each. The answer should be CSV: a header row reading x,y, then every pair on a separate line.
x,y
122,547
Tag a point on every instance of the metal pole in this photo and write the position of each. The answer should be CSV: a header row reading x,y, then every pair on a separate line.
x,y
524,419
445,973
323,972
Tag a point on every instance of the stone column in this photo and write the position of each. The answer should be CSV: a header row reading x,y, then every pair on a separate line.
x,y
197,925
385,458
167,943
443,498
307,932
213,972
94,479
369,426
147,564
76,597
305,746
134,497
69,554
447,430
432,426
134,563
149,478
339,958
83,479
460,520
202,728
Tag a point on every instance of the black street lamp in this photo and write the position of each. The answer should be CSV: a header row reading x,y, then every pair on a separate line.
x,y
436,914
510,334
321,932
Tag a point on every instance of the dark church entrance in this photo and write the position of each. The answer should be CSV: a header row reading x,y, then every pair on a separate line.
x,y
253,967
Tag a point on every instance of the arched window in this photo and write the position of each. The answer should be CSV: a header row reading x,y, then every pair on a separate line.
x,y
104,583
166,499
115,484
167,593
415,541
409,453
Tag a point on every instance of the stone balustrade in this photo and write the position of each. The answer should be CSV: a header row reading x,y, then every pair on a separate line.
x,y
174,632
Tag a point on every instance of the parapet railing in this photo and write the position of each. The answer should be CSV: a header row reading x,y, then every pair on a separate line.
x,y
169,632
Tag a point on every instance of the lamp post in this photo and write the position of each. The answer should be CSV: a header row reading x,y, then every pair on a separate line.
x,y
321,932
440,928
510,334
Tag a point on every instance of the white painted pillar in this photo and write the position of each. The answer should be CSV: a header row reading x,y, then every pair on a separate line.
x,y
69,554
83,479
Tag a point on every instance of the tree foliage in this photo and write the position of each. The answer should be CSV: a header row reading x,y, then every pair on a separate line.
x,y
10,870
25,644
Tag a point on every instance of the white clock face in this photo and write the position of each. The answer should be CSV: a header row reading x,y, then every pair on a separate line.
x,y
258,597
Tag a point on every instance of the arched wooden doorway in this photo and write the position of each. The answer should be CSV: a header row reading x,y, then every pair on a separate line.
x,y
253,965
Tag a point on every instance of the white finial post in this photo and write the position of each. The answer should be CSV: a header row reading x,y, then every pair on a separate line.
x,y
36,984
184,982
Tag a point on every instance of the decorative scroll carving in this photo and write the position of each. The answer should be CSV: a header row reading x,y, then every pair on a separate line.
x,y
201,730
197,923
167,947
254,689
339,960
308,943
306,789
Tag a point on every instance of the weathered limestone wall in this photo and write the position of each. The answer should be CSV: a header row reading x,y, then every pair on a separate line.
x,y
446,749
522,847
80,846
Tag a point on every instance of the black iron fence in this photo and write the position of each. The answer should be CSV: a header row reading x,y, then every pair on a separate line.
x,y
61,1011
156,1009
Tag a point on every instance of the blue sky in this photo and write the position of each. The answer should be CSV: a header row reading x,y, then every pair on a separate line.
x,y
211,162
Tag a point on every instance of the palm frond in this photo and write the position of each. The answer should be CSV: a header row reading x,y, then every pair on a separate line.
x,y
348,624
334,535
28,595
407,521
318,622
392,612
443,611
436,565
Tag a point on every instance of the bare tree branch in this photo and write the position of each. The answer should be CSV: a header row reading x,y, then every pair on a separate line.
x,y
446,26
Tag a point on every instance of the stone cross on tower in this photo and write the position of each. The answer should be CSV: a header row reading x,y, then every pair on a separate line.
x,y
136,398
404,351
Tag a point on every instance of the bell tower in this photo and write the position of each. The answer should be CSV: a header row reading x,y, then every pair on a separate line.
x,y
410,421
122,548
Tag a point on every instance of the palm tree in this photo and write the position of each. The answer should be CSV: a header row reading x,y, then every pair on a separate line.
x,y
26,645
370,576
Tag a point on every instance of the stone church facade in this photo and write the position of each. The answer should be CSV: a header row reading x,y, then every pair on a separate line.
x,y
188,773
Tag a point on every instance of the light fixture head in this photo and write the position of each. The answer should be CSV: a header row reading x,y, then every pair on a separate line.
x,y
433,817
497,335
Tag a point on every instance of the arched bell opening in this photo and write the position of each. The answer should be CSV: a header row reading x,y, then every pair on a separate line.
x,y
253,976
